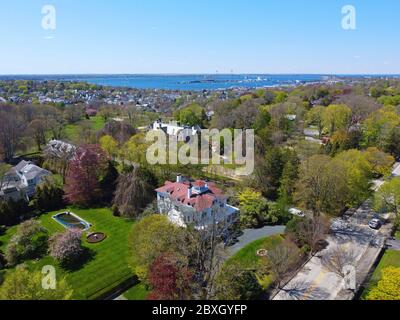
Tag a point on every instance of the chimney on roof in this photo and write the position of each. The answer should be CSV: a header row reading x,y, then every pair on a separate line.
x,y
179,178
190,192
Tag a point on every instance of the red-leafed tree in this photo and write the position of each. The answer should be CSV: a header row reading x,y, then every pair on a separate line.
x,y
169,279
83,176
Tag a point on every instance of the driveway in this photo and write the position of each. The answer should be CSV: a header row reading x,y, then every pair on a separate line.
x,y
250,235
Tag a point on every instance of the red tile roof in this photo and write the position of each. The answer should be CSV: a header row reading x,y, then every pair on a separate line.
x,y
178,191
200,183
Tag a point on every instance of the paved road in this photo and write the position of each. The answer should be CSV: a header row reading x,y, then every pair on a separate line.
x,y
314,282
250,235
393,244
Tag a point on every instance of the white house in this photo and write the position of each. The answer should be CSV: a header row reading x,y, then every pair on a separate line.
x,y
200,204
23,179
173,129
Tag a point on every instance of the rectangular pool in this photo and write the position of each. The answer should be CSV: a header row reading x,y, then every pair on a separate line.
x,y
70,220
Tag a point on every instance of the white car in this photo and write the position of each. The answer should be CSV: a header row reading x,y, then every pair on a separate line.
x,y
297,212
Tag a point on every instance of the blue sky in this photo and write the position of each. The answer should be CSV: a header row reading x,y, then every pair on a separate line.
x,y
199,36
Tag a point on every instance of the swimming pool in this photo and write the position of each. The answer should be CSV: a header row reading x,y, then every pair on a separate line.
x,y
70,220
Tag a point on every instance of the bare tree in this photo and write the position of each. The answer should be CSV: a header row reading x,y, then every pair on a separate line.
x,y
37,128
133,114
11,130
74,113
134,192
208,253
311,231
283,260
337,259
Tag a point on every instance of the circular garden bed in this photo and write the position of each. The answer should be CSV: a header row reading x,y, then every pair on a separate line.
x,y
262,252
96,237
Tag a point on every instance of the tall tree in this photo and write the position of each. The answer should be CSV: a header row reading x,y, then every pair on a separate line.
x,y
150,237
322,185
378,127
253,208
37,128
282,260
236,283
84,173
134,192
169,278
110,145
315,117
388,196
11,130
336,117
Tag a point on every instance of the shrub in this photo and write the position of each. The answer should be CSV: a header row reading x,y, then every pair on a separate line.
x,y
29,242
3,261
22,284
11,212
48,197
253,208
397,223
66,247
2,230
236,283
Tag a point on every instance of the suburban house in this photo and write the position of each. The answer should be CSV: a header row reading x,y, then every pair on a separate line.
x,y
183,133
21,181
12,193
199,203
59,149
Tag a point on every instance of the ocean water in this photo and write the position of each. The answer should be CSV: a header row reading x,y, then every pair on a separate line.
x,y
181,82
190,82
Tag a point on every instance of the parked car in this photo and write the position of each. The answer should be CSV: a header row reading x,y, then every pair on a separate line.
x,y
375,224
297,212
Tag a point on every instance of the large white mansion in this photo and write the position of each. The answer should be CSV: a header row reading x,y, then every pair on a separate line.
x,y
200,204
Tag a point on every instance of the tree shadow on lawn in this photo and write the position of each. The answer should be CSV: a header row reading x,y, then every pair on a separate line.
x,y
87,256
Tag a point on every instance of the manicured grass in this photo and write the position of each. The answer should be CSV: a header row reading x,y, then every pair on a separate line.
x,y
248,259
138,292
391,258
108,266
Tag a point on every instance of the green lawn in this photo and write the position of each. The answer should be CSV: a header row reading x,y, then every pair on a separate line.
x,y
248,259
390,259
71,131
109,265
397,235
138,292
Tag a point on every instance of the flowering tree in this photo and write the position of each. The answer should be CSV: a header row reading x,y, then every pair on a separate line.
x,y
29,242
66,247
388,288
169,279
84,173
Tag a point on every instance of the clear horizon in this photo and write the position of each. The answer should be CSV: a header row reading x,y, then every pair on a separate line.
x,y
198,74
203,37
